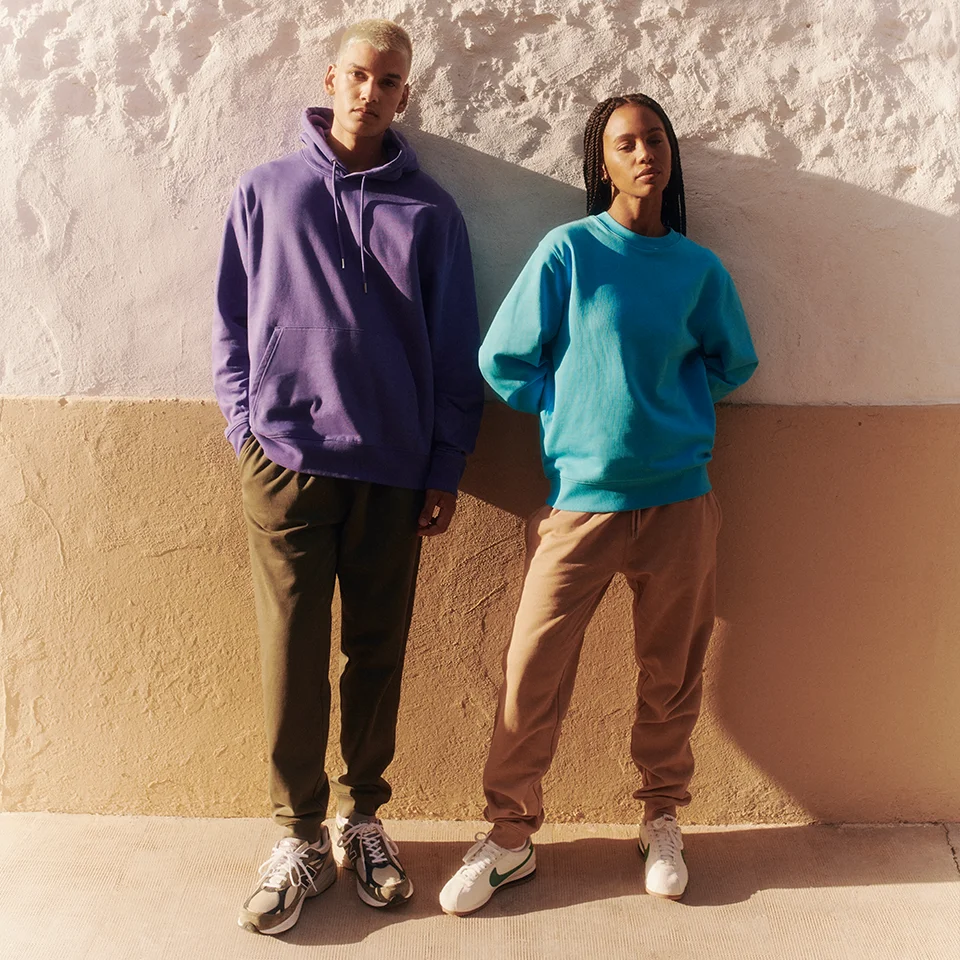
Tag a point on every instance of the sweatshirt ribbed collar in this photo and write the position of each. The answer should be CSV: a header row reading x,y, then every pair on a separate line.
x,y
635,240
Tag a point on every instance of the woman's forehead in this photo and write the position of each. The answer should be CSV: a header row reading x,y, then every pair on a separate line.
x,y
632,118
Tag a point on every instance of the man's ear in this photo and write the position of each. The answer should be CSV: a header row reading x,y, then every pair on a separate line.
x,y
402,105
329,77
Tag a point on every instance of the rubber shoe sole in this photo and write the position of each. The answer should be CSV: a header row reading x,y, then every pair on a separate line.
x,y
519,879
343,860
323,881
393,902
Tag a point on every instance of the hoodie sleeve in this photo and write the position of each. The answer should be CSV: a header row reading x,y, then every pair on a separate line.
x,y
725,341
457,385
231,358
513,357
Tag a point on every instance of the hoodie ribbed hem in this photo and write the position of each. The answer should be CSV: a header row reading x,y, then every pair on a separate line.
x,y
352,461
595,498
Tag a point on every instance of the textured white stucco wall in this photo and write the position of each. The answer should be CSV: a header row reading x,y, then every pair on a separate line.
x,y
819,146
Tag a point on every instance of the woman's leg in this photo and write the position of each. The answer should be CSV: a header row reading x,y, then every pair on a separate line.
x,y
672,571
571,559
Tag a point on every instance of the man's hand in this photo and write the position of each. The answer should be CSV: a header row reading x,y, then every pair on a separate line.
x,y
437,512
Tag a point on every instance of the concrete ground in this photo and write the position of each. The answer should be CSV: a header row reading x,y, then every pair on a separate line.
x,y
140,888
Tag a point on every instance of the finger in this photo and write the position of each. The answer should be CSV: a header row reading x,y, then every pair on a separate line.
x,y
445,510
430,501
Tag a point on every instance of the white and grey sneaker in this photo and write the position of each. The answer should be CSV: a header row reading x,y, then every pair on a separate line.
x,y
294,871
661,846
486,867
365,847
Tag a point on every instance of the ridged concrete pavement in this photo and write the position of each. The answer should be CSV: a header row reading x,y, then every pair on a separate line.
x,y
149,888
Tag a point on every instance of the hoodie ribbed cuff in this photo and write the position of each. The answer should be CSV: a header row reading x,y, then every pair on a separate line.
x,y
237,435
446,469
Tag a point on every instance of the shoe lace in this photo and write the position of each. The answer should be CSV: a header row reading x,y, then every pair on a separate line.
x,y
377,847
287,864
665,838
479,857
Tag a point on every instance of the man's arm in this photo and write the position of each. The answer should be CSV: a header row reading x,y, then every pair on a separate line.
x,y
231,358
457,385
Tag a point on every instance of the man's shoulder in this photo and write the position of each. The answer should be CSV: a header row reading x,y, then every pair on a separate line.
x,y
273,172
421,187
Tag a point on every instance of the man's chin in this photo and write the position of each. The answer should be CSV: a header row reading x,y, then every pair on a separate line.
x,y
364,127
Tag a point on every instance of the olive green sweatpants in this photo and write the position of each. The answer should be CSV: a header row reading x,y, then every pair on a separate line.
x,y
305,532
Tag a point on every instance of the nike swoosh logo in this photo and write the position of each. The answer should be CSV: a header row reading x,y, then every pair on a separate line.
x,y
497,878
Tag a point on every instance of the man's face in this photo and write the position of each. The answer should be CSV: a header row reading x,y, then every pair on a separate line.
x,y
369,88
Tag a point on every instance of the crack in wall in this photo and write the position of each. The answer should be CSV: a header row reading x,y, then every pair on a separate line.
x,y
952,846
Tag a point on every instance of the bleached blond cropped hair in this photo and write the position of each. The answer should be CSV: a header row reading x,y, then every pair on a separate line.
x,y
382,35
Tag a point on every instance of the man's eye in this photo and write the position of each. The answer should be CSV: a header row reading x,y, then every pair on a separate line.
x,y
389,83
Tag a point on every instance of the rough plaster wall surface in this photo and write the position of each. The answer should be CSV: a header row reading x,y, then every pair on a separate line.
x,y
819,153
128,652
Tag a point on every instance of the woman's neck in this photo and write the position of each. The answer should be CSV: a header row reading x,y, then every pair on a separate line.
x,y
639,214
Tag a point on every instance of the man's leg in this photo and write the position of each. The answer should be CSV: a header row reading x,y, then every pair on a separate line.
x,y
293,523
379,556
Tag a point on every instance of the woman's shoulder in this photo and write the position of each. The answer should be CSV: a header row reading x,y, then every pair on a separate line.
x,y
700,254
563,240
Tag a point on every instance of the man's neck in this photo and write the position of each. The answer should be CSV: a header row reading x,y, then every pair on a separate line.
x,y
355,153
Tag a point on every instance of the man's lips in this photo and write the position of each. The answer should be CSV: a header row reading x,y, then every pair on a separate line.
x,y
365,112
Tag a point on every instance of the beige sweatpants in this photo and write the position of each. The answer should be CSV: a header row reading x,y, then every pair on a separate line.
x,y
668,555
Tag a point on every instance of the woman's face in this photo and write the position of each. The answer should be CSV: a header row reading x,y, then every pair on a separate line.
x,y
636,152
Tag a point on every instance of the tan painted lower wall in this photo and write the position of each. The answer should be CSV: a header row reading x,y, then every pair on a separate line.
x,y
129,657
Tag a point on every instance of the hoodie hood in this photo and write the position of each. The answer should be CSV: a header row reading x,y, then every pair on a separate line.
x,y
316,123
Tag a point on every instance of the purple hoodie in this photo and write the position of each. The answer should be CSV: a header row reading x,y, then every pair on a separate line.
x,y
345,336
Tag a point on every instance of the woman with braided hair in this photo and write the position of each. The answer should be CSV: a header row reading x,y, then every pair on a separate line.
x,y
620,334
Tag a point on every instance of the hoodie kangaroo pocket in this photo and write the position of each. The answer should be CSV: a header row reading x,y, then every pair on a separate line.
x,y
337,385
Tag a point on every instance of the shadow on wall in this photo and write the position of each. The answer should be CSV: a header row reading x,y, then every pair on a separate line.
x,y
832,664
508,209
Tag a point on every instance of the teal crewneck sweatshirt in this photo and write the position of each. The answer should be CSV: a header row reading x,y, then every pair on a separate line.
x,y
622,344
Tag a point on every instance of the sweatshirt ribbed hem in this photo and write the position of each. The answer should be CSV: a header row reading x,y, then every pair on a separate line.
x,y
352,461
595,498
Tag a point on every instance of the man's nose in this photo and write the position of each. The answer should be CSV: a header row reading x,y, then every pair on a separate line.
x,y
369,91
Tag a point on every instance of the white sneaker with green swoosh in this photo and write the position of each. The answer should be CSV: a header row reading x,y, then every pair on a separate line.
x,y
486,868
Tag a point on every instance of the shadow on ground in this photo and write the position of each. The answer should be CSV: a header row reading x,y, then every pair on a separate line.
x,y
726,867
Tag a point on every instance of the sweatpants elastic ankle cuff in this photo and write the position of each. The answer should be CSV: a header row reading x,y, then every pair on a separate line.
x,y
508,837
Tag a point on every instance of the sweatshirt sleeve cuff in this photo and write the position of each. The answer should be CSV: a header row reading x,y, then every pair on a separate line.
x,y
237,435
446,469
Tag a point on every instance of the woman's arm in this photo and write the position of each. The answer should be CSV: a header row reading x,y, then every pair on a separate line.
x,y
513,358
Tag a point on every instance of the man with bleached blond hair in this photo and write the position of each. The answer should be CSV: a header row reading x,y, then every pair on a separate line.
x,y
344,361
